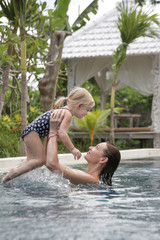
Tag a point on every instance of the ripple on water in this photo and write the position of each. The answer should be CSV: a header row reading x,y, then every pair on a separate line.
x,y
44,205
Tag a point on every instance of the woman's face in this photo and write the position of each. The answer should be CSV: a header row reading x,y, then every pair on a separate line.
x,y
95,154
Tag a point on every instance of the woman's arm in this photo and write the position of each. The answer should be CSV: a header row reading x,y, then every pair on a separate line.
x,y
74,175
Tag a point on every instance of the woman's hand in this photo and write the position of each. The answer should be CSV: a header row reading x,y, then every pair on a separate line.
x,y
55,120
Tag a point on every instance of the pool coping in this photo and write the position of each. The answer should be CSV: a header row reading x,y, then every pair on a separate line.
x,y
67,159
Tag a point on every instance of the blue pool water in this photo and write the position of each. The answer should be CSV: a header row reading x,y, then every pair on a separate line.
x,y
43,205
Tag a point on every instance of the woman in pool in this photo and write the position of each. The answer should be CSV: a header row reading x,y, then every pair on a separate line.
x,y
103,159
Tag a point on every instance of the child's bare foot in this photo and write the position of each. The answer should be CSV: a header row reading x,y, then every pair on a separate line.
x,y
10,175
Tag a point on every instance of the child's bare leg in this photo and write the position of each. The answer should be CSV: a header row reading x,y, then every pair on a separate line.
x,y
35,157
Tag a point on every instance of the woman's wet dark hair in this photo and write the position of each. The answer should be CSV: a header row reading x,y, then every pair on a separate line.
x,y
114,157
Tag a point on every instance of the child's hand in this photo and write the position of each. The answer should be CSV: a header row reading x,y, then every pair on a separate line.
x,y
76,153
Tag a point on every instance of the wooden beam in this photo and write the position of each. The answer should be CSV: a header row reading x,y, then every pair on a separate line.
x,y
118,135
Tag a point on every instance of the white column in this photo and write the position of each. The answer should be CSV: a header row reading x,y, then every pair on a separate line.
x,y
156,102
71,74
103,100
70,83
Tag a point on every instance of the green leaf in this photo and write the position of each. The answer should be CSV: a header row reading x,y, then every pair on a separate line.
x,y
80,21
58,16
44,5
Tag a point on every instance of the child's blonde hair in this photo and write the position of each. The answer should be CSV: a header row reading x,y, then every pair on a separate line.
x,y
76,96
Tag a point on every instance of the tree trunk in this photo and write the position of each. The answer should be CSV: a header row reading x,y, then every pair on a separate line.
x,y
5,84
47,86
112,138
23,91
6,77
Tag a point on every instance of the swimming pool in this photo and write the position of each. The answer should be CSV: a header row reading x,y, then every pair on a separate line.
x,y
43,205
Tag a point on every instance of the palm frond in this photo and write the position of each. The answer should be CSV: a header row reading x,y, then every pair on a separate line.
x,y
93,122
8,10
80,21
134,22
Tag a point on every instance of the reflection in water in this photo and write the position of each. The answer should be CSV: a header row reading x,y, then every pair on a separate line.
x,y
104,194
43,205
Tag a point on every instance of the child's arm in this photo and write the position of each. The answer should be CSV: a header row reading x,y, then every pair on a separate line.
x,y
64,136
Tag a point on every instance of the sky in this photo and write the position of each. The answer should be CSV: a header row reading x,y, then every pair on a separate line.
x,y
77,6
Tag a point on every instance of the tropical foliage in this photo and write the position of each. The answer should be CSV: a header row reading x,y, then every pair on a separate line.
x,y
29,16
133,22
24,52
84,16
95,121
38,28
126,99
141,2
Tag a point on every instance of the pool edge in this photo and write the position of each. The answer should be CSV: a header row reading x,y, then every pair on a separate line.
x,y
7,163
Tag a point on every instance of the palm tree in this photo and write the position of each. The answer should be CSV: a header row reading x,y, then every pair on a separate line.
x,y
93,122
19,15
33,14
15,11
20,7
132,23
